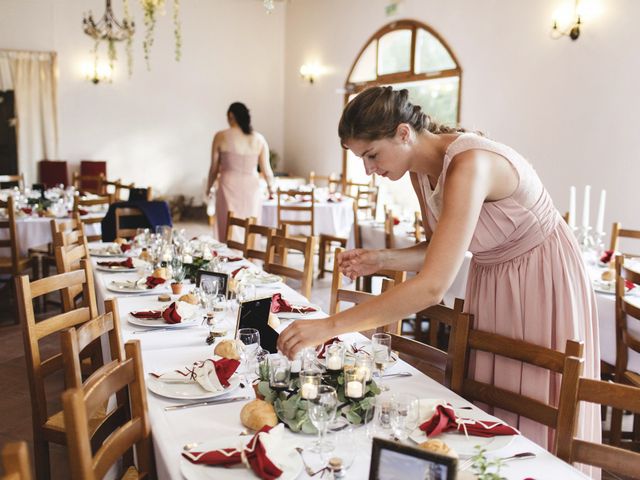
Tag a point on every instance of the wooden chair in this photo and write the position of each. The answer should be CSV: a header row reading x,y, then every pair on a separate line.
x,y
127,216
437,316
613,460
366,199
278,266
568,364
617,231
133,434
261,234
242,223
389,234
71,249
79,203
18,180
116,188
332,181
299,213
15,461
418,228
324,250
626,339
48,427
14,264
90,183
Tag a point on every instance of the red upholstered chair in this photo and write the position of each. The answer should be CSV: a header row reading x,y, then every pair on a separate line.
x,y
92,168
53,172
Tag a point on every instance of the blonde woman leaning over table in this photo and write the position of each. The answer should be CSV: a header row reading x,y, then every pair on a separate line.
x,y
235,155
526,279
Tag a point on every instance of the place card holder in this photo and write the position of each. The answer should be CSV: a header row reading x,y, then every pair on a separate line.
x,y
221,278
255,314
391,459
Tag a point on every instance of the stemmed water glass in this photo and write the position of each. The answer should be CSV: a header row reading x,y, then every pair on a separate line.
x,y
209,289
250,337
381,351
322,411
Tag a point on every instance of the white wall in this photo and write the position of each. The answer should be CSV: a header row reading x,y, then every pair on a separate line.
x,y
156,127
570,107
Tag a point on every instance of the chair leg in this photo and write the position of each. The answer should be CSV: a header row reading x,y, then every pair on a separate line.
x,y
41,459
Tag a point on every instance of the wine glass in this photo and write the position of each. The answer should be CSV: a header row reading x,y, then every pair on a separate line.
x,y
403,415
322,411
165,233
246,292
381,350
209,289
250,337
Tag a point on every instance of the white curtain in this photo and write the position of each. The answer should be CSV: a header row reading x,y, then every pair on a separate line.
x,y
32,76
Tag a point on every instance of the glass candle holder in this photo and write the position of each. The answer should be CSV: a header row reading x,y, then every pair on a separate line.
x,y
279,372
309,383
335,357
354,384
308,359
364,363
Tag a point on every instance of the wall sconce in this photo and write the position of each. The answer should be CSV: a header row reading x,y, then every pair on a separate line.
x,y
567,23
311,71
97,72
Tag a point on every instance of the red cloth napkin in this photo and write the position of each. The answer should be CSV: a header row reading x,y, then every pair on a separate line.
x,y
254,452
27,210
237,270
171,315
445,420
225,367
232,259
153,282
147,314
82,211
606,256
279,304
322,349
629,285
125,247
125,263
396,221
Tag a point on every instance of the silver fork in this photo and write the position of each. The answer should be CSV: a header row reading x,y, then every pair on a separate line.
x,y
307,468
518,456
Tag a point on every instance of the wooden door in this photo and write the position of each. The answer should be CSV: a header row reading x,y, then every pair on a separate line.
x,y
8,141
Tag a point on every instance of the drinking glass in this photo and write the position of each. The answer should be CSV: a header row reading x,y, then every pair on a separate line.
x,y
279,372
250,337
322,411
380,426
262,364
209,289
142,237
405,409
381,350
246,292
165,232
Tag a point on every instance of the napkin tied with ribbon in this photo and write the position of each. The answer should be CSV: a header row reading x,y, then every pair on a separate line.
x,y
261,454
128,263
147,314
153,282
125,247
445,420
212,375
230,259
280,305
321,350
237,271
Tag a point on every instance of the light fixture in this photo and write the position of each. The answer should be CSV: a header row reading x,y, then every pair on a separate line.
x,y
108,28
567,23
311,71
97,71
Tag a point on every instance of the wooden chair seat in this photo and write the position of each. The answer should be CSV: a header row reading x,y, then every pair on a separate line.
x,y
131,474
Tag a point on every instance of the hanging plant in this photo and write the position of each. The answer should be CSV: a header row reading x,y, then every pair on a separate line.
x,y
152,9
129,47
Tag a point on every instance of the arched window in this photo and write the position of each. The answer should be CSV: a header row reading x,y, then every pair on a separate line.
x,y
406,54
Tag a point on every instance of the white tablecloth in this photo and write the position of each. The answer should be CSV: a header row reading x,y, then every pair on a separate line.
x,y
164,350
330,218
36,231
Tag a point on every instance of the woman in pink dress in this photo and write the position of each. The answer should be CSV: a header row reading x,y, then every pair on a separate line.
x,y
526,280
235,155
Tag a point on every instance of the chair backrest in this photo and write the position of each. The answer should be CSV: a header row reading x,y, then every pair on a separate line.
x,y
38,367
332,181
350,187
440,314
10,240
80,404
91,183
53,172
418,227
614,460
116,188
12,180
366,199
130,215
296,208
626,339
617,231
233,224
431,361
567,364
70,250
277,264
259,235
80,203
389,234
15,461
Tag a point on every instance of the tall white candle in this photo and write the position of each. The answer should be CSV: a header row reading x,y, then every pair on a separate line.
x,y
585,208
600,220
572,206
334,363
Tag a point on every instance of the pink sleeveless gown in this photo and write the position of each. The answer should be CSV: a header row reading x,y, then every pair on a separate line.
x,y
238,189
526,281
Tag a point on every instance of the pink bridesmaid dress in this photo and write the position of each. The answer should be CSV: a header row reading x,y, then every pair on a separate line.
x,y
238,188
526,281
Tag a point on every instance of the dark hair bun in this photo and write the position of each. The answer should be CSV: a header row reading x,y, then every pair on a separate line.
x,y
242,116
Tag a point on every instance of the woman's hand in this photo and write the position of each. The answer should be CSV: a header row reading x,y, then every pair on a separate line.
x,y
359,262
304,333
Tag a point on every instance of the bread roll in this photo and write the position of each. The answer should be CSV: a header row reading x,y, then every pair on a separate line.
x,y
258,413
189,298
227,349
608,275
145,255
438,446
120,240
160,272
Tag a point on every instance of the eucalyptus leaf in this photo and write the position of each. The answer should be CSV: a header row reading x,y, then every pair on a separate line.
x,y
353,417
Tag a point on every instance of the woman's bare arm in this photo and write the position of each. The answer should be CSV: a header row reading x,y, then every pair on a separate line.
x,y
214,169
265,166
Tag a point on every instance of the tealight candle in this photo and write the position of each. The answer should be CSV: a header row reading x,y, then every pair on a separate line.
x,y
354,389
334,363
364,363
335,356
309,391
309,383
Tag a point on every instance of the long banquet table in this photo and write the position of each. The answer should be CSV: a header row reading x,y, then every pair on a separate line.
x,y
169,349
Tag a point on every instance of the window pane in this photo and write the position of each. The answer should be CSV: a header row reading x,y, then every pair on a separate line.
x,y
438,97
431,56
365,69
394,54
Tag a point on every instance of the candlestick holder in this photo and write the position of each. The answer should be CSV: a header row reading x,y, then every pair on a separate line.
x,y
585,238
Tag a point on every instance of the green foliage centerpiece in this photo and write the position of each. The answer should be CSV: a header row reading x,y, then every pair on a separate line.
x,y
191,269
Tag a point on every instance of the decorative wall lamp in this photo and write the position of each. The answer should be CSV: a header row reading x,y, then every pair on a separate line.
x,y
311,71
97,72
571,21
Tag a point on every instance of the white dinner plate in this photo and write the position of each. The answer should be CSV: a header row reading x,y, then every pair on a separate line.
x,y
118,269
160,323
463,445
264,280
118,287
105,250
187,391
192,471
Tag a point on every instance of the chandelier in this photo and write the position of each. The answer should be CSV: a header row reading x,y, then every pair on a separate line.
x,y
108,28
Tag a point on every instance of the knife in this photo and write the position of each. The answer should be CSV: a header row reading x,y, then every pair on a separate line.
x,y
202,404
